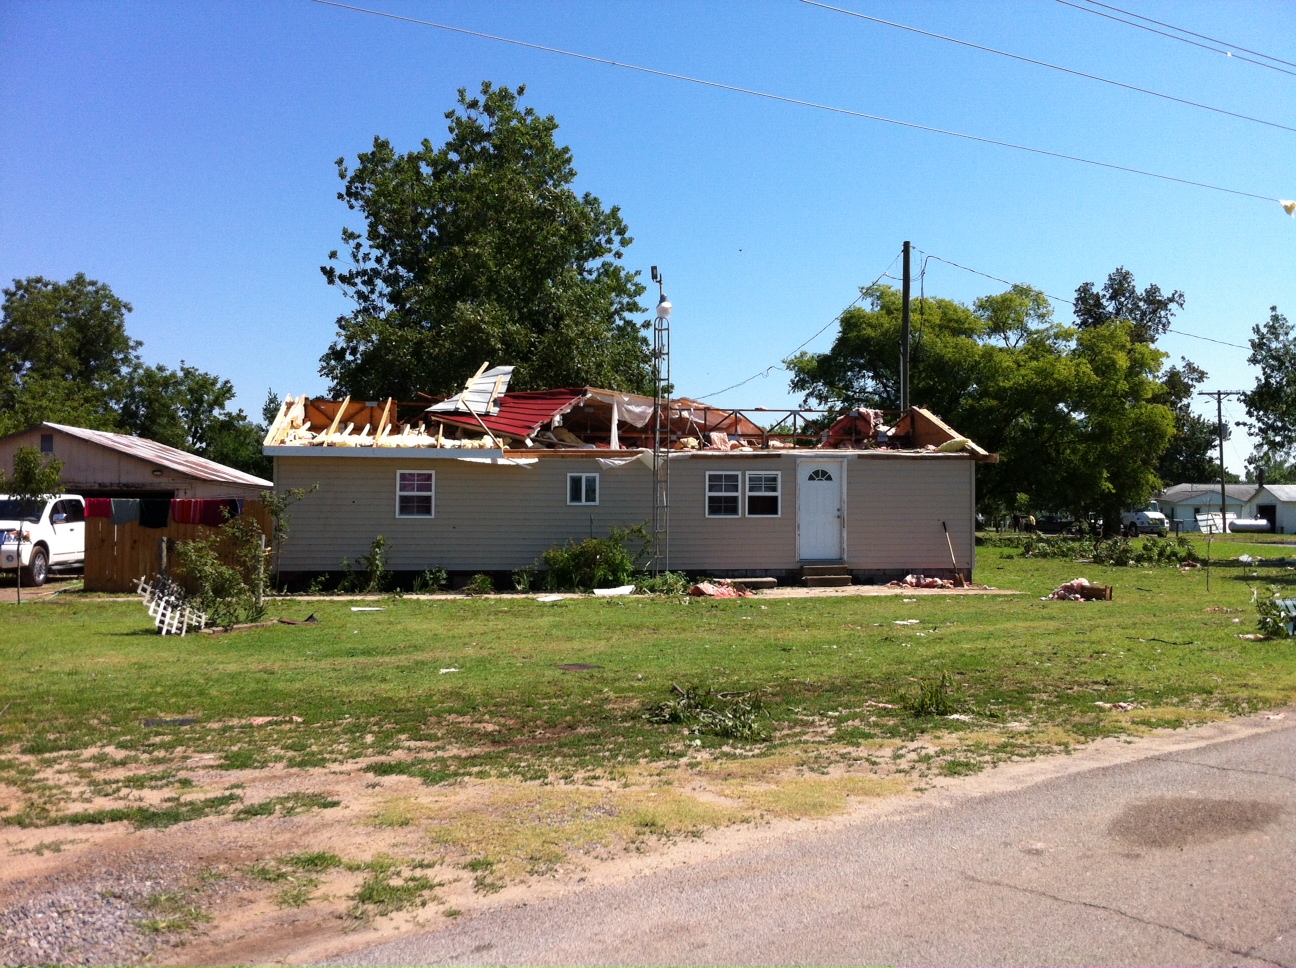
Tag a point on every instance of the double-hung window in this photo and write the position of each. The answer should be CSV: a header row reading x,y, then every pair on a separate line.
x,y
723,494
582,489
763,494
415,494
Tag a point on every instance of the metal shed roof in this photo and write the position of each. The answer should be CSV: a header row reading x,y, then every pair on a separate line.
x,y
192,465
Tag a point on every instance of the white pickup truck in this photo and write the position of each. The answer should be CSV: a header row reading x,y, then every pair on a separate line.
x,y
1148,520
52,536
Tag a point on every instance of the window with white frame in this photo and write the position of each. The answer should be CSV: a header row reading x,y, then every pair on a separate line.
x,y
723,489
763,494
582,489
415,494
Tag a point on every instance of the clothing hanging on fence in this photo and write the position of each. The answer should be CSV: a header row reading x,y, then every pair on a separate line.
x,y
184,511
98,507
125,510
212,513
154,512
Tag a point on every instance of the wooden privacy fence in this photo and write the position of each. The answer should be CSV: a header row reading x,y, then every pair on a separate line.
x,y
118,554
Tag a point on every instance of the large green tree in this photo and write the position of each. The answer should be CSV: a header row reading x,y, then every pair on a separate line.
x,y
1150,311
1190,455
479,249
1073,414
1271,403
66,357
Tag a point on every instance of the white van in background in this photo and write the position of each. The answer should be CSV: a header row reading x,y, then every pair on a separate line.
x,y
53,536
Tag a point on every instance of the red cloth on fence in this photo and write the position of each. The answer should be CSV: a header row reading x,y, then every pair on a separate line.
x,y
185,511
98,507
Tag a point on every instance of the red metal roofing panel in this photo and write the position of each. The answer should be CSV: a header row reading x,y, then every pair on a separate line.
x,y
520,414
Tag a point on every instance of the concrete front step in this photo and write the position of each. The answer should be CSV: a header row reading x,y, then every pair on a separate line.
x,y
809,570
756,582
826,581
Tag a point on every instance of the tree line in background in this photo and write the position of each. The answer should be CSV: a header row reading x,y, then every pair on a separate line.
x,y
1086,418
480,249
66,357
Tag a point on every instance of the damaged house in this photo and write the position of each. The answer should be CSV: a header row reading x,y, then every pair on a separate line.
x,y
488,480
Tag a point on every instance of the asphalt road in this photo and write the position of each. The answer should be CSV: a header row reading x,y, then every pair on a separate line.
x,y
1178,857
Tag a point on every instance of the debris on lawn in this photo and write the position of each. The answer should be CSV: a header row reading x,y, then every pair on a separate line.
x,y
266,720
366,608
921,581
308,620
881,705
168,606
614,592
905,621
444,671
1122,706
1079,590
549,598
721,588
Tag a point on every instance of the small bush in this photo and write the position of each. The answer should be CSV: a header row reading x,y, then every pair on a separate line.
x,y
370,574
523,579
594,562
733,715
933,698
229,589
666,583
432,580
480,584
1271,621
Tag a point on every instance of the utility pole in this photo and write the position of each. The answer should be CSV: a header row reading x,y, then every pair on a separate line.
x,y
904,334
1219,396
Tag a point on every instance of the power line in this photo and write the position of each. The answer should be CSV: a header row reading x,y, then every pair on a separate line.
x,y
1182,40
1040,63
1190,33
797,101
1176,332
779,366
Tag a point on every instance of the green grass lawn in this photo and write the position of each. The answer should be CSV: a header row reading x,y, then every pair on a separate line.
x,y
834,677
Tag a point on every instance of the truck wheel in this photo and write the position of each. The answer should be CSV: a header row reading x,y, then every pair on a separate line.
x,y
38,570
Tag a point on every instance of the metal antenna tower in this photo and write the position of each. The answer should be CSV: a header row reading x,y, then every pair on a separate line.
x,y
661,429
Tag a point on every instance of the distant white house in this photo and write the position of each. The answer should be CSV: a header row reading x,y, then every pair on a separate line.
x,y
1276,503
1183,502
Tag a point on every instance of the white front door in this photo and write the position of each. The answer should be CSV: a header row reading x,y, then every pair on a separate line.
x,y
819,509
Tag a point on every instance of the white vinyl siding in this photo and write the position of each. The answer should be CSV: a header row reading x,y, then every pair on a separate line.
x,y
415,494
722,497
764,494
582,489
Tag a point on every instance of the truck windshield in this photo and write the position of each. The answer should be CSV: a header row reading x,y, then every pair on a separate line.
x,y
11,509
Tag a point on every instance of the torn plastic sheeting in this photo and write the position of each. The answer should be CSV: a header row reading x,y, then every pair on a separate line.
x,y
366,608
635,414
609,463
502,461
614,592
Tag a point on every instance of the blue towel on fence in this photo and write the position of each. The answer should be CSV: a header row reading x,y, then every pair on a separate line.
x,y
125,510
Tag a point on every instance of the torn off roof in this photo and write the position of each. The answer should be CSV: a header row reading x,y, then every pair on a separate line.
x,y
481,395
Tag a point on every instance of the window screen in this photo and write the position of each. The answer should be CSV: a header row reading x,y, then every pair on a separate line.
x,y
762,494
722,494
415,491
582,489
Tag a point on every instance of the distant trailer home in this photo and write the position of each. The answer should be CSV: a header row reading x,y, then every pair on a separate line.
x,y
489,480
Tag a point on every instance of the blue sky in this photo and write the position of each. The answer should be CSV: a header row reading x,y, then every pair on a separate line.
x,y
184,154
